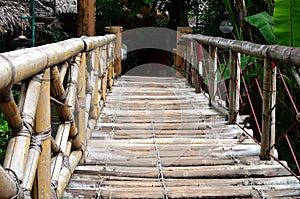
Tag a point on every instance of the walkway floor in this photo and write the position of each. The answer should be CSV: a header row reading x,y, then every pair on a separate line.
x,y
156,138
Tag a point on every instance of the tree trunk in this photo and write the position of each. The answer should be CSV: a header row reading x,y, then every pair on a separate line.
x,y
86,18
178,14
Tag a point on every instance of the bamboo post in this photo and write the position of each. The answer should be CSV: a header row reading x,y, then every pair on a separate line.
x,y
180,49
110,68
42,187
80,118
212,73
187,61
18,145
268,117
117,30
195,65
234,86
8,187
96,99
90,84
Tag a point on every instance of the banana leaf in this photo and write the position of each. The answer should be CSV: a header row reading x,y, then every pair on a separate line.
x,y
265,24
287,22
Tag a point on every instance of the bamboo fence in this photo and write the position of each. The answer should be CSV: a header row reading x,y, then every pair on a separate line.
x,y
63,88
270,53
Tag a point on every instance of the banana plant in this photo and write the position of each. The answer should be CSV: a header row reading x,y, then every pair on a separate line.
x,y
287,22
265,24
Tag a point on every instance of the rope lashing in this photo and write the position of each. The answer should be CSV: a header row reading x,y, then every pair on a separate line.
x,y
38,138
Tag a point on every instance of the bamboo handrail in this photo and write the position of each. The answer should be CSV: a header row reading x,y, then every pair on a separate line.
x,y
287,55
41,156
270,53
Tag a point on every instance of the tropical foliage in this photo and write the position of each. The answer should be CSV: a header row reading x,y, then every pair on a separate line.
x,y
287,20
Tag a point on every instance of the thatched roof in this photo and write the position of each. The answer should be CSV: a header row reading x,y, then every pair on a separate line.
x,y
11,12
66,6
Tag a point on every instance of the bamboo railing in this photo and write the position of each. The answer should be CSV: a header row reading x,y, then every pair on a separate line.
x,y
270,54
63,88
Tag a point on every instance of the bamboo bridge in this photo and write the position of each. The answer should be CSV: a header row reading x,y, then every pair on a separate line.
x,y
83,129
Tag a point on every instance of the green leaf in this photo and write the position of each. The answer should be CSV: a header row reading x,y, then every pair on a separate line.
x,y
287,21
265,24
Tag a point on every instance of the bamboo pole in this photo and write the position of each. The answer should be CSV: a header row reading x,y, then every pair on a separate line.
x,y
187,61
180,49
268,122
28,115
234,86
71,99
90,85
63,70
62,141
22,64
67,171
287,55
212,73
8,187
96,98
22,95
80,118
117,30
42,188
18,145
59,93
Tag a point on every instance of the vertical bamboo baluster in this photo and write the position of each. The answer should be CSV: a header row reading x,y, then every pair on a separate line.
x,y
42,187
195,65
104,86
268,119
18,146
58,92
22,95
180,49
117,30
8,187
63,70
111,62
80,118
187,62
90,60
62,141
212,73
234,86
28,115
97,83
67,170
71,99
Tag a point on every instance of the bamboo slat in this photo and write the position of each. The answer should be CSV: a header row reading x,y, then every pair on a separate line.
x,y
28,114
42,187
8,187
80,118
67,171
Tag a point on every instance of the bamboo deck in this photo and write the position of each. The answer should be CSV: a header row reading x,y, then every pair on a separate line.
x,y
156,138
